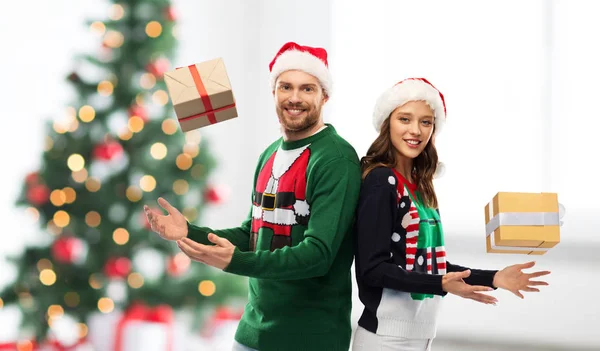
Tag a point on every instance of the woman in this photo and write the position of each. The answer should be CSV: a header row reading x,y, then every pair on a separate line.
x,y
401,265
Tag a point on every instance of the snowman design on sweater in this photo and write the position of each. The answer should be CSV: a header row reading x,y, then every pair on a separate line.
x,y
280,196
420,233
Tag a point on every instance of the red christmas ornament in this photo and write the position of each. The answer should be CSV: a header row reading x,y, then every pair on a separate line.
x,y
117,267
67,250
170,14
215,195
32,178
107,150
38,195
74,77
178,264
158,67
212,196
137,110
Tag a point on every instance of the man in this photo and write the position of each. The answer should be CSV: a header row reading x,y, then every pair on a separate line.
x,y
296,244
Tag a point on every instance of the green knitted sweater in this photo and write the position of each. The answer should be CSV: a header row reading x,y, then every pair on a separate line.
x,y
296,245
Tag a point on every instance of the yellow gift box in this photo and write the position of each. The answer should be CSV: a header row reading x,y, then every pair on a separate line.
x,y
522,223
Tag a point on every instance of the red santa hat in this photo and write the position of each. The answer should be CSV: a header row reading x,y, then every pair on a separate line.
x,y
308,59
412,89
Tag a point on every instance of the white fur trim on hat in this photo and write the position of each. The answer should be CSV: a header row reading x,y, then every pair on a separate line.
x,y
405,91
440,170
302,61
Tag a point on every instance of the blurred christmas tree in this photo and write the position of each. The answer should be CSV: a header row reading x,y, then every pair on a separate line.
x,y
119,148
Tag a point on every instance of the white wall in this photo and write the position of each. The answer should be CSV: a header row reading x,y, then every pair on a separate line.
x,y
36,56
575,120
491,76
488,58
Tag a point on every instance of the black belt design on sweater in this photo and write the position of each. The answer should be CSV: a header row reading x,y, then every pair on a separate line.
x,y
272,201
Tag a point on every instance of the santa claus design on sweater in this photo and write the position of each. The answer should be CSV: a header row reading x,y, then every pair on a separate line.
x,y
280,196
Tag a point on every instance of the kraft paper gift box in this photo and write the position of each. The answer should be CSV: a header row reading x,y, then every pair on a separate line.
x,y
201,94
522,223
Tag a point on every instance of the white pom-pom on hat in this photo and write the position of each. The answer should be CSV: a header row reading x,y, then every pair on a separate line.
x,y
440,170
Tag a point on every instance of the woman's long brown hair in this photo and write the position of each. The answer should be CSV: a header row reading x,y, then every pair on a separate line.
x,y
382,154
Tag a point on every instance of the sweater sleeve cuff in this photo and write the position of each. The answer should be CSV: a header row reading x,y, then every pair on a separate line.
x,y
490,279
240,261
434,284
197,234
485,278
438,285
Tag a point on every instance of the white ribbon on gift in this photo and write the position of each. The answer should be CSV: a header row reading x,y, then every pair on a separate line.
x,y
520,218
